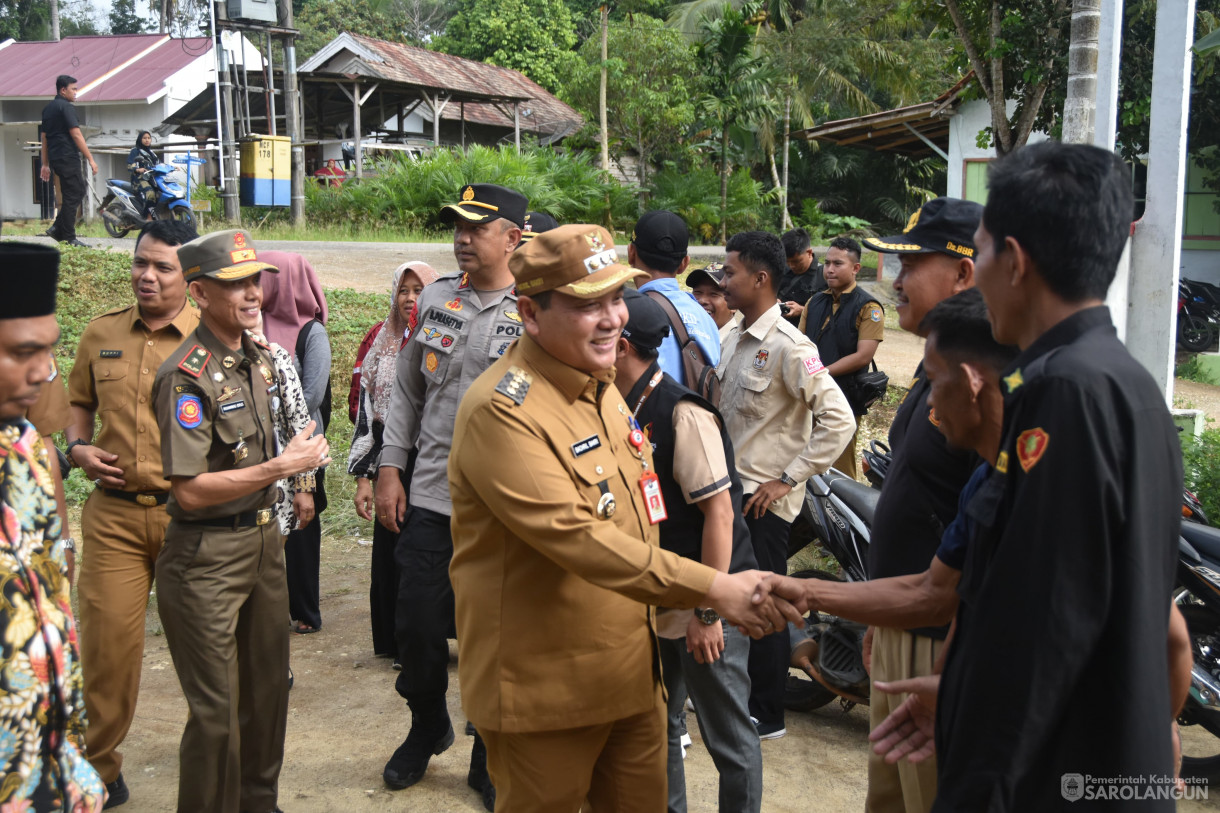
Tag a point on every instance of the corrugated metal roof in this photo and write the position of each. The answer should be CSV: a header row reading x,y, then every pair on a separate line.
x,y
458,77
107,68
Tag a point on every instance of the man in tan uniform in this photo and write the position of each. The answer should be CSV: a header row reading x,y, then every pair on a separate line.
x,y
221,587
123,521
555,555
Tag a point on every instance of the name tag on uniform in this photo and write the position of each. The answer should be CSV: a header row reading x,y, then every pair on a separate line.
x,y
235,405
111,354
586,445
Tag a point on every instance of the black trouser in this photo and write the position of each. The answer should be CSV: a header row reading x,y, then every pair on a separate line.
x,y
424,621
770,655
303,561
383,584
72,189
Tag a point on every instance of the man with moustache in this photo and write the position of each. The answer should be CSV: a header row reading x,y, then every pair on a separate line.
x,y
124,520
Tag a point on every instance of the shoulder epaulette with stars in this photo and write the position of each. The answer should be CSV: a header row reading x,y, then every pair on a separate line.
x,y
515,384
195,361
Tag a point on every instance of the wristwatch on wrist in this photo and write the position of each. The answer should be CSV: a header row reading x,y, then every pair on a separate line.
x,y
707,615
73,445
786,480
69,543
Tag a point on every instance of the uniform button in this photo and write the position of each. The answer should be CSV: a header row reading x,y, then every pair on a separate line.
x,y
144,371
142,399
141,458
141,429
598,469
151,343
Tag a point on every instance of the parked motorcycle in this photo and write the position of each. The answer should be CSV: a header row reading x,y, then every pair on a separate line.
x,y
1198,597
120,209
1198,315
838,514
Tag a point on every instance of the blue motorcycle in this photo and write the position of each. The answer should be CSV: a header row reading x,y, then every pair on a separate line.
x,y
121,210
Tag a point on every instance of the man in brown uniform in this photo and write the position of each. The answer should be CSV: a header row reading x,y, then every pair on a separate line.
x,y
221,587
555,546
123,521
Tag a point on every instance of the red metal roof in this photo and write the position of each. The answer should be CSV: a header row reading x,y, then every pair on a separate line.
x,y
133,66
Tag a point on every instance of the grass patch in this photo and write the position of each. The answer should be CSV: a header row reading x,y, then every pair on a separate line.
x,y
1192,370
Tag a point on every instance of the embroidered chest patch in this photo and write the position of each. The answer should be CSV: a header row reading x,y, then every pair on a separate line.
x,y
760,359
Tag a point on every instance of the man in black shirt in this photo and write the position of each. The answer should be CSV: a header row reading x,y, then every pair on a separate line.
x,y
1057,666
803,278
62,146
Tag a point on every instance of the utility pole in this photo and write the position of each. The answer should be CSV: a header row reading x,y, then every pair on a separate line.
x,y
225,127
292,117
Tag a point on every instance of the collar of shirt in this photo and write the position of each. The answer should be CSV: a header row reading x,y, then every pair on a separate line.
x,y
220,349
837,295
181,322
660,284
571,382
763,324
1066,332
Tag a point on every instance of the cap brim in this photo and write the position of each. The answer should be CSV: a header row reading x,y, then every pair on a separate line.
x,y
700,274
475,214
239,271
605,279
897,244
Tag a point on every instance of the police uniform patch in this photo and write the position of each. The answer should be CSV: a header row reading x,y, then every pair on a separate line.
x,y
1001,463
430,333
233,406
454,304
189,411
195,361
516,317
502,348
875,314
431,362
1031,445
1013,381
515,384
446,341
189,388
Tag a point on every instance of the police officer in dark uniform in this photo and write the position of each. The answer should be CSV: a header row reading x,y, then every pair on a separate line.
x,y
221,588
62,147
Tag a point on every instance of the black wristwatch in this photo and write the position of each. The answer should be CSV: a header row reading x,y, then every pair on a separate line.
x,y
73,445
786,480
707,615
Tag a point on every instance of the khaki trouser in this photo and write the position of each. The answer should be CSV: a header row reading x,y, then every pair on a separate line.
x,y
848,460
120,543
619,767
900,788
223,598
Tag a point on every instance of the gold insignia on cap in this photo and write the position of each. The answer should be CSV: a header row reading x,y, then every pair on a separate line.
x,y
596,245
911,223
468,193
239,240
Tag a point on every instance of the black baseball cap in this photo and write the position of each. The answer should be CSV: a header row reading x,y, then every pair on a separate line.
x,y
713,273
661,234
481,202
536,223
944,225
646,324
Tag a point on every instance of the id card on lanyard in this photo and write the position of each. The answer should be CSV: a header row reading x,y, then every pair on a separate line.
x,y
650,484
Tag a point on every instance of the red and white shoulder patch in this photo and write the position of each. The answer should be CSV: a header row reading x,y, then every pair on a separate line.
x,y
814,365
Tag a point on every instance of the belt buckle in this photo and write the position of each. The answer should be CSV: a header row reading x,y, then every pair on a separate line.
x,y
262,516
146,499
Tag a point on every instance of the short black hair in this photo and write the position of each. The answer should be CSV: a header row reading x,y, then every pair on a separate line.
x,y
1070,207
846,244
62,81
963,331
761,251
542,299
170,232
795,241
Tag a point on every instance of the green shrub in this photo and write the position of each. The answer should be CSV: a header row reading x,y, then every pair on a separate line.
x,y
1201,464
1192,370
694,195
824,227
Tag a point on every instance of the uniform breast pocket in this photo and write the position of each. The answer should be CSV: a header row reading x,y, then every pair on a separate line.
x,y
597,477
113,388
236,433
435,363
503,334
754,388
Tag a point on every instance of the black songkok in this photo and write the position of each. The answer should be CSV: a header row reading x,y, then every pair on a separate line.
x,y
29,275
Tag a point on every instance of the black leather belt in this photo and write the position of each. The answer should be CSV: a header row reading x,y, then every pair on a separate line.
x,y
147,499
246,519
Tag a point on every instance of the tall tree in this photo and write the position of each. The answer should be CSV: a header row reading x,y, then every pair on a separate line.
x,y
531,36
123,18
1016,50
737,81
652,80
320,21
1080,106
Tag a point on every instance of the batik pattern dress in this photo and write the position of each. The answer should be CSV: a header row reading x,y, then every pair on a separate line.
x,y
289,416
42,710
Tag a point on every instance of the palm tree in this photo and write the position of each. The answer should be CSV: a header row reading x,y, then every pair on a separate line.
x,y
738,83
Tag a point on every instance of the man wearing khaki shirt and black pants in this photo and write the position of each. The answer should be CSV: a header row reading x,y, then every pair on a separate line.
x,y
771,378
123,522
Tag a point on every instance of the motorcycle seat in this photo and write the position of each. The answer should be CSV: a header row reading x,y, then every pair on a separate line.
x,y
859,498
124,185
1203,538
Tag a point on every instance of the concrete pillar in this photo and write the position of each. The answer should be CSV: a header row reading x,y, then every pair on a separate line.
x,y
1157,244
1105,133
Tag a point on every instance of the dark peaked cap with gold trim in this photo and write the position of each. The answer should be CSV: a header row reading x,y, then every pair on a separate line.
x,y
944,225
29,275
481,202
